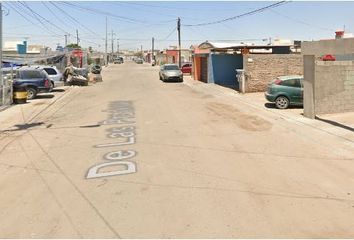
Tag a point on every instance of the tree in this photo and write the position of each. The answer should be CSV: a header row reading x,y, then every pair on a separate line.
x,y
138,54
73,45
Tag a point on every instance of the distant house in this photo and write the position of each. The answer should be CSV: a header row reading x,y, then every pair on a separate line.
x,y
172,56
21,47
14,47
160,57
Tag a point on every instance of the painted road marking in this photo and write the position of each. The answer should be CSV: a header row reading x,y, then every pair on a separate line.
x,y
120,113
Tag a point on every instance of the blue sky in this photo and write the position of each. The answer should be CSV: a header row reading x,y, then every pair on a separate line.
x,y
135,23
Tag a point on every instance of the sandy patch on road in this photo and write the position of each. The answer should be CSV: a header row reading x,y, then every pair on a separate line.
x,y
245,121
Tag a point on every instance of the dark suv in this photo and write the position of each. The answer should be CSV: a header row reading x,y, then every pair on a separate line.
x,y
34,80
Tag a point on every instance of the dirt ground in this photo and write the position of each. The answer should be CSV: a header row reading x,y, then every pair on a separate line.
x,y
133,157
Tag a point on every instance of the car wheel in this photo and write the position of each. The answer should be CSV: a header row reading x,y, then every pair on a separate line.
x,y
31,93
282,102
160,77
51,86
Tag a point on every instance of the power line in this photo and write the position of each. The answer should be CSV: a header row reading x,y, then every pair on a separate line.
x,y
73,19
36,14
174,30
302,22
155,12
239,16
31,35
55,15
145,10
177,8
29,20
95,43
38,17
96,11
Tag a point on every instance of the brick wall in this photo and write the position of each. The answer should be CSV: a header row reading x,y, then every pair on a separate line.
x,y
260,69
334,87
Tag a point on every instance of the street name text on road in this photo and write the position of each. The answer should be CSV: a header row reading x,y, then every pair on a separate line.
x,y
121,113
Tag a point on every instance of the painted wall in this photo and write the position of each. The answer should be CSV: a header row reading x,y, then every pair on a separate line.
x,y
222,69
172,56
196,68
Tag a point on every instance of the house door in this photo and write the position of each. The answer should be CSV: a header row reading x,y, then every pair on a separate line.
x,y
204,69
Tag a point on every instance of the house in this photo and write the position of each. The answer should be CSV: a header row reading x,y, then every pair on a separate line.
x,y
148,56
14,47
22,47
217,62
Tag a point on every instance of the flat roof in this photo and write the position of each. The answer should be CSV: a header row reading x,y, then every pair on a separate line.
x,y
223,45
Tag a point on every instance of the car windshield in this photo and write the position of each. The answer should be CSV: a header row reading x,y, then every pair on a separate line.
x,y
171,67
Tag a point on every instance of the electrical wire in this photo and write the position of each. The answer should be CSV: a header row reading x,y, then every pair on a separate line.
x,y
174,30
199,9
302,22
161,13
238,16
42,26
37,16
96,11
55,15
73,19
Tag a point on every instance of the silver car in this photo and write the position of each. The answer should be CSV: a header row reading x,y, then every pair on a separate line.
x,y
171,72
55,76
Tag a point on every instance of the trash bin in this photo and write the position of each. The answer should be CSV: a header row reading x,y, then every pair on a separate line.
x,y
20,94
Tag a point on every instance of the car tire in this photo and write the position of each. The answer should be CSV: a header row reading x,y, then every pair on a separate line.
x,y
282,102
160,77
31,93
51,86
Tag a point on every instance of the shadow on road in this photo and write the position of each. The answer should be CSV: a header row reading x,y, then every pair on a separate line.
x,y
25,126
58,90
272,105
336,124
44,96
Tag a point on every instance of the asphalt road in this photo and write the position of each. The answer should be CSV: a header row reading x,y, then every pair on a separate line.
x,y
133,157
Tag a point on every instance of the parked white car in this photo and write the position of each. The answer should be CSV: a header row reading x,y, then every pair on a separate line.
x,y
55,76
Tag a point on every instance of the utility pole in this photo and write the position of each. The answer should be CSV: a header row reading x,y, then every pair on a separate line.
x,y
112,43
179,42
105,55
118,47
26,39
66,40
77,37
152,50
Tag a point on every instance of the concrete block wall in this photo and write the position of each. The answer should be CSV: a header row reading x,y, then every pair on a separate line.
x,y
261,69
334,87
